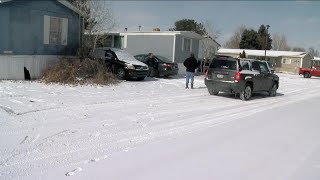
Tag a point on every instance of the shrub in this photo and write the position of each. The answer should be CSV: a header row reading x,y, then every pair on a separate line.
x,y
76,71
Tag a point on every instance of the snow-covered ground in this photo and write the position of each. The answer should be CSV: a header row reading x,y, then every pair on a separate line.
x,y
65,132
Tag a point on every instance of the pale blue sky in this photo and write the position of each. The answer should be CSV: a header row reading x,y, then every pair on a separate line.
x,y
298,20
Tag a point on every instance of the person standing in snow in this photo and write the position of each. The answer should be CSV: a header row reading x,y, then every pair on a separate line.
x,y
151,62
191,65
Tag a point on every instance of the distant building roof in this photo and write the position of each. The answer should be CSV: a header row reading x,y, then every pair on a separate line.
x,y
316,58
184,33
270,53
64,2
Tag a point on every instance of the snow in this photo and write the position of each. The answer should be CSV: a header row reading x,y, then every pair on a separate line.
x,y
249,72
269,53
157,129
122,55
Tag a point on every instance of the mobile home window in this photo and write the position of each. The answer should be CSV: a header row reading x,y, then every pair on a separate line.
x,y
286,61
186,44
55,30
118,41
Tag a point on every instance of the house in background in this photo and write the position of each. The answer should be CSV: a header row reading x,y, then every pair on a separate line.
x,y
111,39
174,45
316,62
283,61
34,34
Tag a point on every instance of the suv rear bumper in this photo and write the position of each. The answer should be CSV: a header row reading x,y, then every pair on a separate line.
x,y
224,86
168,72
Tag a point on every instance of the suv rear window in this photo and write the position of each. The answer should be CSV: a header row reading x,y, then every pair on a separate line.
x,y
224,64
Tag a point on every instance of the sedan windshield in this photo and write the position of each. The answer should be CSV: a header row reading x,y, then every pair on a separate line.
x,y
163,59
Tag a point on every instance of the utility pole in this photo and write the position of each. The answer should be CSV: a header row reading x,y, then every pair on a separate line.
x,y
265,47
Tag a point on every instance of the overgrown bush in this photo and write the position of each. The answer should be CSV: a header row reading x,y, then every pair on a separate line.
x,y
76,71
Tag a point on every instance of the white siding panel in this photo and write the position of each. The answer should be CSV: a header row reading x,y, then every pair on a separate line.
x,y
182,47
11,67
174,49
64,35
46,29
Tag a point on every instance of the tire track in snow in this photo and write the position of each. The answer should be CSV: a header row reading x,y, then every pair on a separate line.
x,y
168,131
125,136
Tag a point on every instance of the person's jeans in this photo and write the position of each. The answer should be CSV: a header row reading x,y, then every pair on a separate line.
x,y
151,71
190,75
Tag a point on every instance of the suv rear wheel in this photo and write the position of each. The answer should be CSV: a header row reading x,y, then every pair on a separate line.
x,y
246,93
213,92
273,91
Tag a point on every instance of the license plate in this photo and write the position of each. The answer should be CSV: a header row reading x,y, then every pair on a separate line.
x,y
219,76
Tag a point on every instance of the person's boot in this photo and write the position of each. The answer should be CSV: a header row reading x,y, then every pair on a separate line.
x,y
187,86
191,86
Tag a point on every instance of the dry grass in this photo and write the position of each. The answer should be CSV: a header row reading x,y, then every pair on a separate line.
x,y
76,72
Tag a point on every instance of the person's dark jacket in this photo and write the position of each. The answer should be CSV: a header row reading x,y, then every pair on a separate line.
x,y
151,62
191,64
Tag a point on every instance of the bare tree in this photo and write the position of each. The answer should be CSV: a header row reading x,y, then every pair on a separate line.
x,y
211,30
102,21
207,44
313,52
99,20
298,49
279,42
235,39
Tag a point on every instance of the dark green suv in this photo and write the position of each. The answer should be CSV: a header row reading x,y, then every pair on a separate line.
x,y
240,76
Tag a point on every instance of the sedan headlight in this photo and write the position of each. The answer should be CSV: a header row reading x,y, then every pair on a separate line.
x,y
130,66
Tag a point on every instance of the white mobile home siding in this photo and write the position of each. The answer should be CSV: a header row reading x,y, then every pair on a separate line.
x,y
181,55
12,67
157,44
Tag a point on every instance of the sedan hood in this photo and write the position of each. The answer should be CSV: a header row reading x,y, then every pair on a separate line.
x,y
128,58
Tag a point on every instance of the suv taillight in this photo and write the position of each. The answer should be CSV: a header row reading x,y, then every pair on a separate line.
x,y
206,73
237,78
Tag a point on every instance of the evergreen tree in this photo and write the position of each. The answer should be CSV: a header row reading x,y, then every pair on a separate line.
x,y
264,38
252,39
249,40
189,25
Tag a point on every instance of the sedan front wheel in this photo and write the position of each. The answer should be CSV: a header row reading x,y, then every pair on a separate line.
x,y
121,74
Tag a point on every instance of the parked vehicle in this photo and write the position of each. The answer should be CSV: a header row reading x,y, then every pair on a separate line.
x,y
270,66
314,70
240,76
163,65
121,63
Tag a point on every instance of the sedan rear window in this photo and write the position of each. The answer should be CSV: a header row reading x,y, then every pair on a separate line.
x,y
223,64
